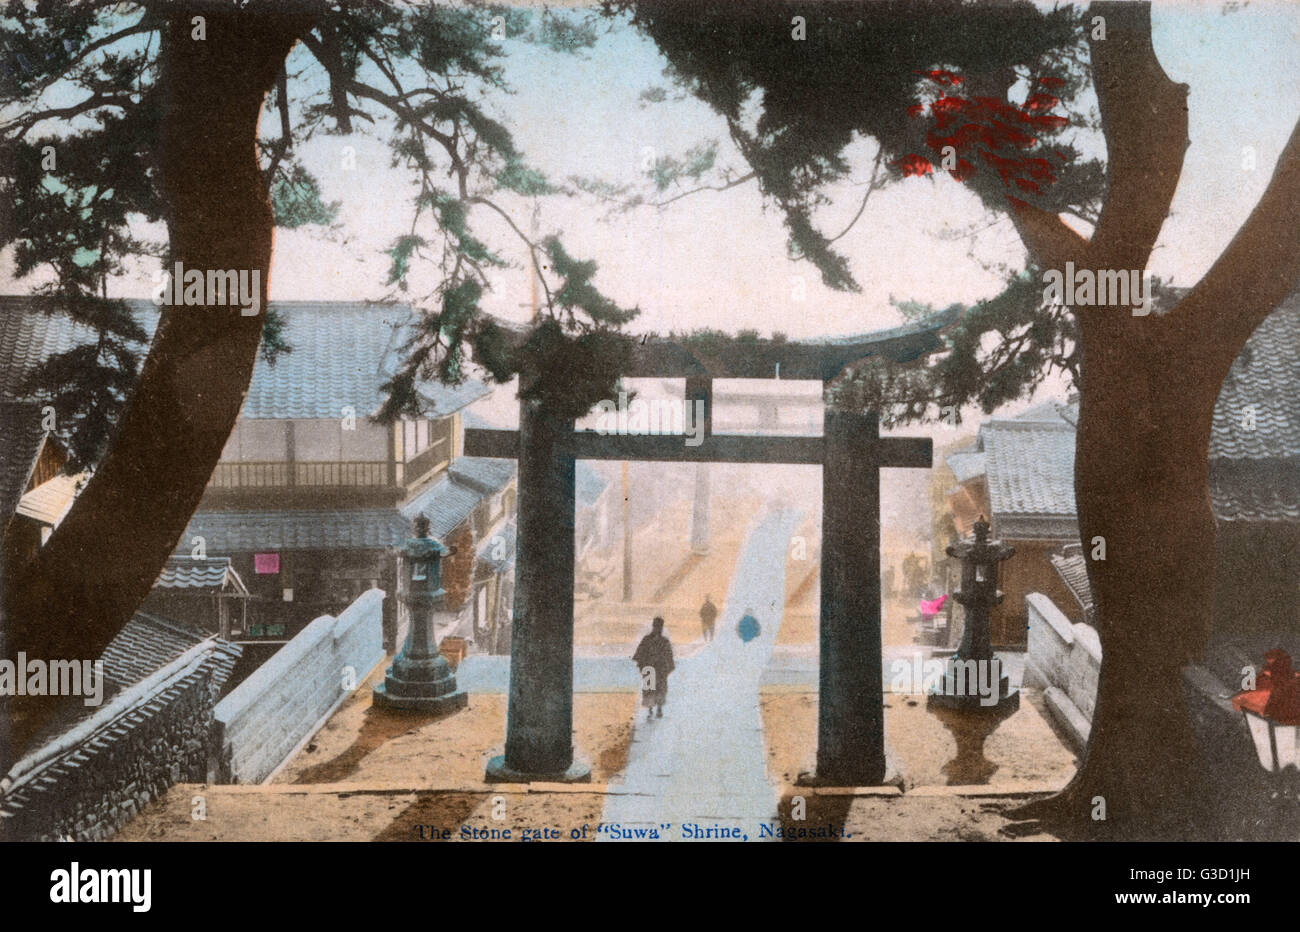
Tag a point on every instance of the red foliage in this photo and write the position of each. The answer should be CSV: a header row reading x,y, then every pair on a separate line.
x,y
914,165
994,132
942,77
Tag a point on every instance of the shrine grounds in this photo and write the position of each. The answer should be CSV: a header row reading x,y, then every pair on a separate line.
x,y
730,772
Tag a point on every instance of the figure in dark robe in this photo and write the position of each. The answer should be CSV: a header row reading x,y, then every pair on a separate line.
x,y
708,615
654,661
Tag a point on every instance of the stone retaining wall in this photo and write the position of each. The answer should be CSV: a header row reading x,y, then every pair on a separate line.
x,y
270,715
1064,660
88,781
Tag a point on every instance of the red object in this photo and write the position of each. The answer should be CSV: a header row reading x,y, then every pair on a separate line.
x,y
264,563
933,606
1277,693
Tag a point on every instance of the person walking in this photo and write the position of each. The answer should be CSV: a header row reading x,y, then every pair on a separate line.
x,y
748,628
708,615
654,660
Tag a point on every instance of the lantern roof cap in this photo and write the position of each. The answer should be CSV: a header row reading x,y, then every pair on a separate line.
x,y
980,547
1277,693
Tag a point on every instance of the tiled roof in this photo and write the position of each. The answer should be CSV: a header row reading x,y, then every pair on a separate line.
x,y
142,648
1072,567
20,443
227,532
343,352
495,553
1255,490
145,645
1030,467
966,464
189,573
482,472
32,329
148,643
1266,376
447,504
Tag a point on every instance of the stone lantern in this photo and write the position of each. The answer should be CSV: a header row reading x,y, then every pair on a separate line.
x,y
420,678
973,679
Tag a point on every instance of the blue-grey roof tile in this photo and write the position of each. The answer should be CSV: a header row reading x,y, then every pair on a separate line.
x,y
342,354
229,532
485,473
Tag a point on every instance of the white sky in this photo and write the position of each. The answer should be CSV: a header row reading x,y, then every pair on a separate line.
x,y
719,259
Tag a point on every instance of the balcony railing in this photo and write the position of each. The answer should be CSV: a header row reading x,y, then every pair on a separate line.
x,y
281,474
428,460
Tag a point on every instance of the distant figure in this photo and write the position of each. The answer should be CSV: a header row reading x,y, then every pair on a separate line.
x,y
654,660
708,615
749,628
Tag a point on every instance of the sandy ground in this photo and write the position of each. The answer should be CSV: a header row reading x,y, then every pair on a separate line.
x,y
347,813
1023,750
337,812
364,744
909,817
376,775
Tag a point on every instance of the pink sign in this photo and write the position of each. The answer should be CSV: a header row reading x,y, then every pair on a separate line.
x,y
266,563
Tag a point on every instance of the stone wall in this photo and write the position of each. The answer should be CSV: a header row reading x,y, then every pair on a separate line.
x,y
1064,660
269,716
89,780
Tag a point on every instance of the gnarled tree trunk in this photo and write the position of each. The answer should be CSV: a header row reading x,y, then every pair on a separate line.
x,y
103,559
1142,463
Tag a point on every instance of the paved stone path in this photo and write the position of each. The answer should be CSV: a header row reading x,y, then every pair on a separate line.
x,y
700,772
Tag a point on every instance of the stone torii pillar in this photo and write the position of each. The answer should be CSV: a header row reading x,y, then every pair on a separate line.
x,y
701,390
539,727
700,511
850,702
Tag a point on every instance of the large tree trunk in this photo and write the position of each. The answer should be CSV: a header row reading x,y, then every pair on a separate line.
x,y
103,559
1142,463
1142,492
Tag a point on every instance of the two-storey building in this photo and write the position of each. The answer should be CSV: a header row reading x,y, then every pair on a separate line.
x,y
311,498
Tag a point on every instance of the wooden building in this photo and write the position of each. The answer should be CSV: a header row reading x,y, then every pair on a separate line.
x,y
311,499
36,490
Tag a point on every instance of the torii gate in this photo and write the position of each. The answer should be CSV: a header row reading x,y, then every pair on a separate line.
x,y
851,452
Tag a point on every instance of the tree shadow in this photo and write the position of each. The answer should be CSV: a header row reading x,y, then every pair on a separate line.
x,y
819,811
441,812
380,726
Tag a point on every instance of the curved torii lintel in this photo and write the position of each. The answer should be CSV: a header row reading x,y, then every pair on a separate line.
x,y
820,359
